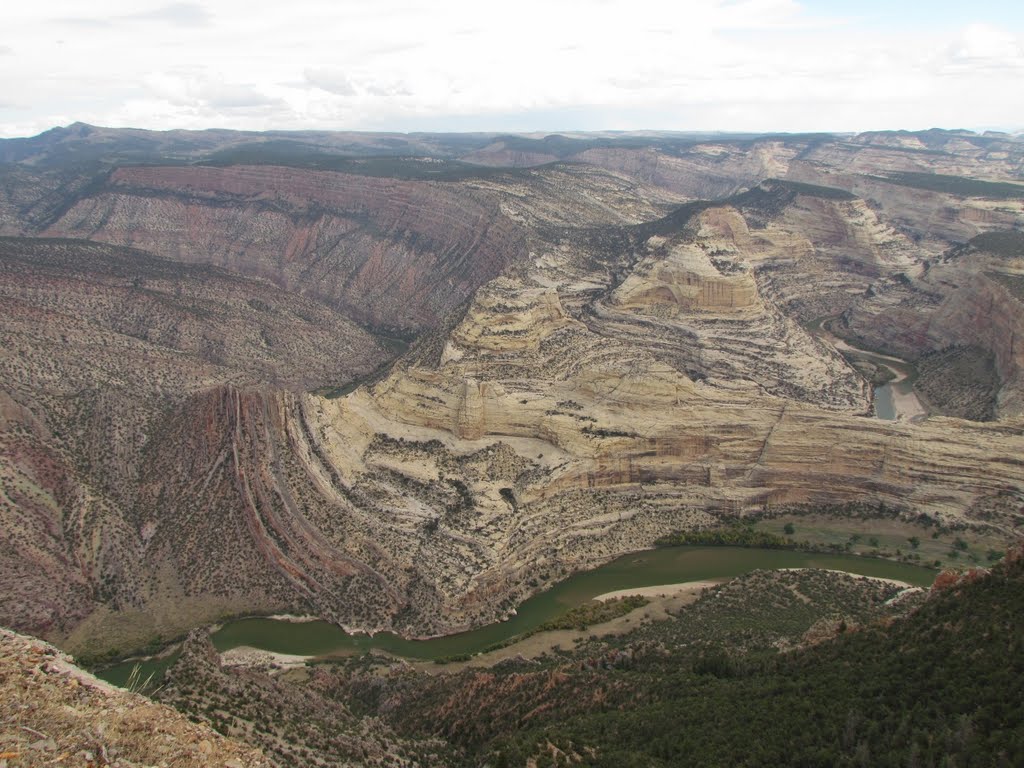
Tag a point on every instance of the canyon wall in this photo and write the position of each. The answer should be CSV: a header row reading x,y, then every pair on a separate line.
x,y
392,253
596,366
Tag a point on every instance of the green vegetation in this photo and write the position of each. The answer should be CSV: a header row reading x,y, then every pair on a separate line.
x,y
579,618
666,565
881,375
602,432
295,155
956,185
943,686
1013,283
594,612
887,535
960,381
814,190
1009,243
731,536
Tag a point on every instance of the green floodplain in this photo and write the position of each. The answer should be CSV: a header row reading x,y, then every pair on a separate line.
x,y
667,565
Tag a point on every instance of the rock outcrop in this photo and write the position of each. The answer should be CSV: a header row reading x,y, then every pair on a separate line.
x,y
596,366
53,712
103,349
394,254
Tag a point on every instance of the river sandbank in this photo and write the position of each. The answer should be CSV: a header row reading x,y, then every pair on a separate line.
x,y
662,590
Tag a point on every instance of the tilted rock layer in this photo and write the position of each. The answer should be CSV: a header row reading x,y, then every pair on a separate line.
x,y
597,365
394,253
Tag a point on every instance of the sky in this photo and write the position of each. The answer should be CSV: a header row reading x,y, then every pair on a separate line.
x,y
523,65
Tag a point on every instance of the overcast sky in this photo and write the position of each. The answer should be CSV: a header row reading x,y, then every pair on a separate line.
x,y
520,65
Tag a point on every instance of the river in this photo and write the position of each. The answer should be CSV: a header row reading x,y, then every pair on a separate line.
x,y
667,565
894,400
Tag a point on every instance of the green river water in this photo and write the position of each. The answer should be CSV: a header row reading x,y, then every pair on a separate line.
x,y
641,569
885,407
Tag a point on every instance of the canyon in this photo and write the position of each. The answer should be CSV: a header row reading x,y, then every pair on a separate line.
x,y
405,389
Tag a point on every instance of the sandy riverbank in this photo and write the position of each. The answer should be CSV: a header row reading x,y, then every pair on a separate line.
x,y
666,602
662,590
906,405
247,656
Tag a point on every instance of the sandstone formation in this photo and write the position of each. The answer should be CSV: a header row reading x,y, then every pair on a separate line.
x,y
603,443
101,348
393,254
974,300
597,363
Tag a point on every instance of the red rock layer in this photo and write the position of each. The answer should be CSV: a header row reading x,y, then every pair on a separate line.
x,y
396,253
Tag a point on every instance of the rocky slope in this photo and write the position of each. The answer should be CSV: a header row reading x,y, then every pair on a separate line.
x,y
963,299
52,712
939,684
393,254
596,366
295,719
594,440
101,348
583,405
437,711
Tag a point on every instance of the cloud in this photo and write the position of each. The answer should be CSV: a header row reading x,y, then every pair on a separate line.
x,y
696,64
175,14
178,14
234,96
984,46
6,50
397,88
331,81
81,21
391,48
198,89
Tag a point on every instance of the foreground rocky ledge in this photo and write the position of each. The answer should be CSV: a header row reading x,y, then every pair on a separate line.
x,y
53,713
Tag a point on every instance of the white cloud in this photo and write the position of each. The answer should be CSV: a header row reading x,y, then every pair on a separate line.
x,y
178,14
689,64
331,81
984,47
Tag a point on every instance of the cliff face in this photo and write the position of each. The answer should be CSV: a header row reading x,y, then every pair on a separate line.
x,y
971,300
591,446
544,437
705,171
393,253
596,374
987,312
